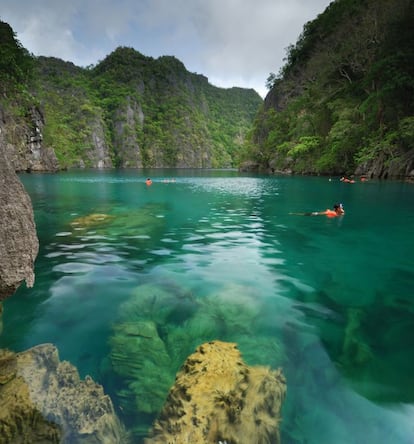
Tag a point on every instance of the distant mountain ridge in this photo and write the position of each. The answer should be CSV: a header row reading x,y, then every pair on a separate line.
x,y
129,110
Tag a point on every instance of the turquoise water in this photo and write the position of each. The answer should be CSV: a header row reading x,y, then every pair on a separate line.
x,y
216,255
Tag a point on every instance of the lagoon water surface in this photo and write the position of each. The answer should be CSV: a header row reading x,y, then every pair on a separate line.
x,y
217,255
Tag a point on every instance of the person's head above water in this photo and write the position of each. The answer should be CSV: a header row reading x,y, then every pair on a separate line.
x,y
339,208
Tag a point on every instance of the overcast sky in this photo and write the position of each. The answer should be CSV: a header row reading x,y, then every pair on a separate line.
x,y
232,42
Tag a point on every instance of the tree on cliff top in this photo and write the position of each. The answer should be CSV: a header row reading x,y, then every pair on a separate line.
x,y
16,64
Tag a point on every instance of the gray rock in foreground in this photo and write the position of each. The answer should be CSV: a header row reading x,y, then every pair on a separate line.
x,y
18,239
44,400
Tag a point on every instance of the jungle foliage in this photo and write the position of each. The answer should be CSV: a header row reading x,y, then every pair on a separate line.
x,y
345,95
148,112
16,64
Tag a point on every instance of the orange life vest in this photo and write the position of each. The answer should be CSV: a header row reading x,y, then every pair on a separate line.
x,y
331,213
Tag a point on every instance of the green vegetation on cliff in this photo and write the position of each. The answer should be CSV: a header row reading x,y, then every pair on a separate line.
x,y
128,111
168,116
344,101
16,64
68,107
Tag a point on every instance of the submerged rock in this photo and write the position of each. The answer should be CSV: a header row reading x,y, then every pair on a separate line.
x,y
136,226
43,400
161,324
218,398
91,220
139,357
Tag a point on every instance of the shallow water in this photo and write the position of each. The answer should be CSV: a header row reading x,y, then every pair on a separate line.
x,y
217,255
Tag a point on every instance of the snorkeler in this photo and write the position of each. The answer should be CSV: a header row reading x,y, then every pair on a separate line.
x,y
338,210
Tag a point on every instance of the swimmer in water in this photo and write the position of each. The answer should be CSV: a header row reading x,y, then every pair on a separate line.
x,y
148,181
338,210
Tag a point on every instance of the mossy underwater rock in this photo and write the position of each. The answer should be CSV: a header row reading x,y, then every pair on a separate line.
x,y
43,400
140,359
160,325
91,220
139,224
218,398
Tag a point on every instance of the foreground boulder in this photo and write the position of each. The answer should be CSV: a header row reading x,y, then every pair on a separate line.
x,y
43,400
218,398
18,239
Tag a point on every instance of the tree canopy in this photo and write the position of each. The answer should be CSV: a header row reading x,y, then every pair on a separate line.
x,y
348,83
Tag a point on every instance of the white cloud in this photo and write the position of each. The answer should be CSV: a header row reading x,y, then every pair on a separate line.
x,y
232,42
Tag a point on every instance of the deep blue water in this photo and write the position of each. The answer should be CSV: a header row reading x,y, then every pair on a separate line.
x,y
217,255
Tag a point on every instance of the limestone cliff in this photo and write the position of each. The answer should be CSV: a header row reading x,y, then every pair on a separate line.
x,y
43,400
218,398
149,113
22,140
128,150
129,110
18,239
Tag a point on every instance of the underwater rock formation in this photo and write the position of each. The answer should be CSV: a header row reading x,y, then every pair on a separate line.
x,y
161,324
218,398
140,358
91,220
137,226
42,399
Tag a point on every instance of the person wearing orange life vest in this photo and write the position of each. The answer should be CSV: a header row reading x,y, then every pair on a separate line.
x,y
345,179
148,182
338,210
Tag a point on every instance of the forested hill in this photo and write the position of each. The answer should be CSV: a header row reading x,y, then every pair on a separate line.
x,y
127,111
344,101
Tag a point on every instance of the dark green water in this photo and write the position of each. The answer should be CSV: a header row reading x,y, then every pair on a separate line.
x,y
216,255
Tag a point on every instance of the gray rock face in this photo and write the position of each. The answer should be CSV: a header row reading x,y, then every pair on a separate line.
x,y
126,145
99,156
400,166
22,142
18,240
38,391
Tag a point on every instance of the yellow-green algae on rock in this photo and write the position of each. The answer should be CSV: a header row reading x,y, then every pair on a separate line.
x,y
161,324
218,398
91,220
43,400
20,419
140,223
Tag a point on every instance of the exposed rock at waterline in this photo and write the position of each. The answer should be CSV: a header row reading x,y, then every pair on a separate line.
x,y
43,400
18,239
218,398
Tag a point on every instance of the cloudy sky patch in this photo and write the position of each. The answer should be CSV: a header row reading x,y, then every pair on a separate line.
x,y
232,42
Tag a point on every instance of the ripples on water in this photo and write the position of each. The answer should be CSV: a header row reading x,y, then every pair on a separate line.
x,y
217,256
